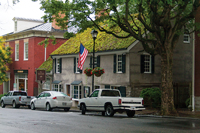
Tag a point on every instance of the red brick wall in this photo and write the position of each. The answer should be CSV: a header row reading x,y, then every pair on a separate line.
x,y
197,57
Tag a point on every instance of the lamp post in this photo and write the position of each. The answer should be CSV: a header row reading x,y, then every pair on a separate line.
x,y
94,35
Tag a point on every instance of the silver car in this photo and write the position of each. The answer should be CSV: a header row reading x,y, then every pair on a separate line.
x,y
50,100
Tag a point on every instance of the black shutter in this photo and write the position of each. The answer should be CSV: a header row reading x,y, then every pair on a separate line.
x,y
98,61
80,70
122,90
55,65
107,86
60,65
114,64
142,63
123,63
74,64
152,63
90,61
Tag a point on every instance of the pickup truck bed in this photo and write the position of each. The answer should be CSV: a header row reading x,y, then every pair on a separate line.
x,y
109,102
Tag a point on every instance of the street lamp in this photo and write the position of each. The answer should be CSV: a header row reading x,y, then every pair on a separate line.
x,y
94,35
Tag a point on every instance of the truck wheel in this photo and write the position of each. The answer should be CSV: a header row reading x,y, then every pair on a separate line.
x,y
109,110
103,113
130,113
32,106
14,104
48,107
2,104
29,106
83,108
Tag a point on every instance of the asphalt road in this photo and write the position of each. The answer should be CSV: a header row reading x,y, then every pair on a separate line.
x,y
24,120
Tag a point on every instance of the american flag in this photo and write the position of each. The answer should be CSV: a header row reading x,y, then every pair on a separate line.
x,y
82,56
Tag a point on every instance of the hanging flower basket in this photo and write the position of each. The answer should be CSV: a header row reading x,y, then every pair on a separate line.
x,y
98,71
88,72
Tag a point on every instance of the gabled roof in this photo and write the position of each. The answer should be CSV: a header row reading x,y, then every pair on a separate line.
x,y
47,65
103,42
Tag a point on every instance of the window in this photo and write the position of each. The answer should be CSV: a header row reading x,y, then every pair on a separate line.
x,y
76,69
17,52
86,91
186,38
47,84
147,63
58,65
77,92
119,63
96,62
95,93
57,87
26,51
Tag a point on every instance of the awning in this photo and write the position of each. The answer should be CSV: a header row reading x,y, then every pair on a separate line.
x,y
56,82
76,82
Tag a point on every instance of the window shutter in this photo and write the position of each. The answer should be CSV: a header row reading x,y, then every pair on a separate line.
x,y
142,64
80,70
98,61
123,63
55,65
114,64
152,63
60,65
90,61
107,86
122,90
74,64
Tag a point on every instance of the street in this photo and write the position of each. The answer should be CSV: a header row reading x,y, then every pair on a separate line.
x,y
24,120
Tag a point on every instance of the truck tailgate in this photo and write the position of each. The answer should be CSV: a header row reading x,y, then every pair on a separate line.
x,y
132,102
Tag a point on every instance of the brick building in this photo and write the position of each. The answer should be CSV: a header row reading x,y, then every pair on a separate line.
x,y
27,55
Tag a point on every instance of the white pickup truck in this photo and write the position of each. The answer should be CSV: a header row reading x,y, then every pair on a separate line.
x,y
109,101
16,99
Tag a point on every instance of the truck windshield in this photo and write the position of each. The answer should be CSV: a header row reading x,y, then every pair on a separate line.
x,y
110,93
19,94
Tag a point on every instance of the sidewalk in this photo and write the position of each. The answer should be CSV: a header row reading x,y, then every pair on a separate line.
x,y
183,113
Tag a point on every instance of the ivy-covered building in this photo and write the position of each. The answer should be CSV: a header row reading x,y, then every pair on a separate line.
x,y
127,66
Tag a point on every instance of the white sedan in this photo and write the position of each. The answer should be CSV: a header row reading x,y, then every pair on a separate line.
x,y
50,100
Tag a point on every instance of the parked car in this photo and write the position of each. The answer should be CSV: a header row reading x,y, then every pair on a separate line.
x,y
16,99
51,100
109,102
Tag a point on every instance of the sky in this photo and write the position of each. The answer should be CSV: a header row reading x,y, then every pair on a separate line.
x,y
24,9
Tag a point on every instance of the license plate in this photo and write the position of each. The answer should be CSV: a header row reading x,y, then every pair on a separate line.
x,y
64,104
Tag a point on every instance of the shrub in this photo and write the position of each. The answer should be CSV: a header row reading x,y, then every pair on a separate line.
x,y
152,97
187,102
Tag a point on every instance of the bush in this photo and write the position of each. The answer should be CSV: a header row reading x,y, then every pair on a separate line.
x,y
187,102
152,97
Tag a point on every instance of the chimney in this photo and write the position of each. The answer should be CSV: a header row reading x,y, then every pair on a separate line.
x,y
54,23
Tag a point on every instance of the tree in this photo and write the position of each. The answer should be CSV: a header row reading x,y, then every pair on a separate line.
x,y
5,59
157,24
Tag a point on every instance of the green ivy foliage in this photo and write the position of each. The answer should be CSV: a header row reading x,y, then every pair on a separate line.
x,y
47,65
103,42
152,97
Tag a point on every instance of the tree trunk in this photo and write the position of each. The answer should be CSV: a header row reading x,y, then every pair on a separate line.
x,y
167,93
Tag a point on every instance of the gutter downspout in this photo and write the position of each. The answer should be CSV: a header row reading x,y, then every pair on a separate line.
x,y
193,72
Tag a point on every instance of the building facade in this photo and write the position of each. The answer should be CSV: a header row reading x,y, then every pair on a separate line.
x,y
27,55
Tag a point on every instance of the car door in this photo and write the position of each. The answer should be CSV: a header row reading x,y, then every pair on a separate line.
x,y
6,98
37,102
92,101
44,99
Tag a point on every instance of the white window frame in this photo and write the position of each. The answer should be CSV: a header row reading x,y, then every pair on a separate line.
x,y
188,38
79,92
147,62
119,63
17,52
57,87
77,69
58,65
26,51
